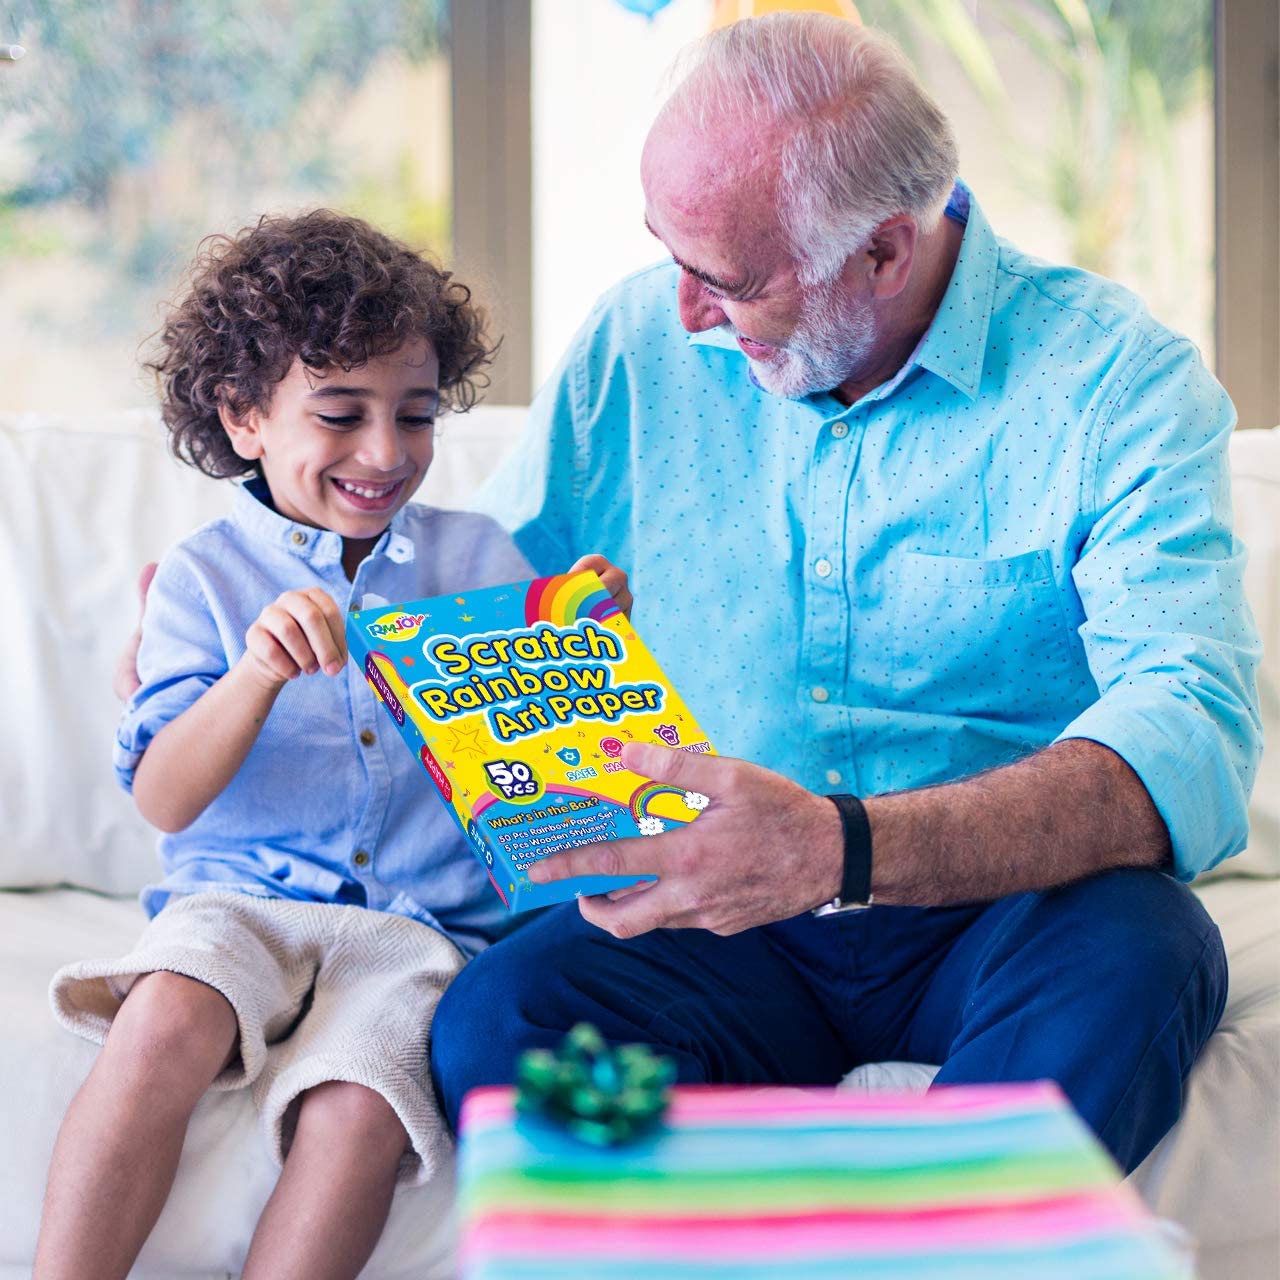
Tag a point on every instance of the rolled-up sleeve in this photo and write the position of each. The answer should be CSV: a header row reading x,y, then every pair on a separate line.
x,y
1168,632
181,655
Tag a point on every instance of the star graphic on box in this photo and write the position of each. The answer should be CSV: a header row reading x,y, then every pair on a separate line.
x,y
466,742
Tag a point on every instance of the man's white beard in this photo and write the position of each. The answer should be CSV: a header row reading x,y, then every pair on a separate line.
x,y
829,343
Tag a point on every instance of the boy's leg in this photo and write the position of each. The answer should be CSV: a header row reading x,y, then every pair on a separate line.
x,y
345,1098
332,1200
727,1010
118,1147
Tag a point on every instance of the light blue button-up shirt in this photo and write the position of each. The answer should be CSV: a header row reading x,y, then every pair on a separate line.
x,y
1024,536
328,806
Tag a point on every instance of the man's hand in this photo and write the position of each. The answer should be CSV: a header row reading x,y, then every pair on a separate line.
x,y
125,682
764,849
614,579
300,634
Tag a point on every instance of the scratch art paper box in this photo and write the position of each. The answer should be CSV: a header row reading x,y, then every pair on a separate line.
x,y
517,701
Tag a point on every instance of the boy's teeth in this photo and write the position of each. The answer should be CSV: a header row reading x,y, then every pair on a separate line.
x,y
366,493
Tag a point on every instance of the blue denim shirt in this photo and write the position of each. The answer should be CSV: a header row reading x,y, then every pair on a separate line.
x,y
328,806
1024,536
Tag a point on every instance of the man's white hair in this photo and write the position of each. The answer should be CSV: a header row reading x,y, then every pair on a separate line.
x,y
862,140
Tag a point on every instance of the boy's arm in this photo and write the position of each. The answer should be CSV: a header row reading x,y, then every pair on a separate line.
x,y
191,760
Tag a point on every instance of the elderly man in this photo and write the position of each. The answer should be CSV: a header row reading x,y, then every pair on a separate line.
x,y
923,524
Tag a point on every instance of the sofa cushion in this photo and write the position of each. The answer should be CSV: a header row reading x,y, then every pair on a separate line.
x,y
83,506
1218,1170
1255,491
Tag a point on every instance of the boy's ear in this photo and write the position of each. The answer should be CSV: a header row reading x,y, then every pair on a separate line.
x,y
242,430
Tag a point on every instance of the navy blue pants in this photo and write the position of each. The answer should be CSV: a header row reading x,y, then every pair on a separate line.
x,y
1110,987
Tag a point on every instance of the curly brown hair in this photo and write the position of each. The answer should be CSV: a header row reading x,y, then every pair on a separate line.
x,y
323,287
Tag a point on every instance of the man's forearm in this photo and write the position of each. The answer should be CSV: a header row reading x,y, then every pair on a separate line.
x,y
766,849
1067,812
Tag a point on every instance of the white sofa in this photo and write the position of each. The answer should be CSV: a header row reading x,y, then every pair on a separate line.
x,y
82,506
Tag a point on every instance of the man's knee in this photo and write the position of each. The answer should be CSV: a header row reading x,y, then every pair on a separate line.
x,y
1129,964
1162,987
1140,930
1110,986
534,986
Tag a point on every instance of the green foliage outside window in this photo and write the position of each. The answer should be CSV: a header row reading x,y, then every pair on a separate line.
x,y
1123,71
140,124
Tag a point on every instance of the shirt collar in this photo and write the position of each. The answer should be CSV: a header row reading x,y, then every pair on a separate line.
x,y
954,345
252,510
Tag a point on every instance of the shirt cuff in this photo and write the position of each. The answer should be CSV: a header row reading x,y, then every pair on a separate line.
x,y
146,714
1179,754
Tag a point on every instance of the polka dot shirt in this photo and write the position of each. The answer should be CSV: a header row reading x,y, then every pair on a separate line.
x,y
1024,536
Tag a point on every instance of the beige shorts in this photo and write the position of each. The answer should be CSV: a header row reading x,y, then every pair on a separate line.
x,y
321,993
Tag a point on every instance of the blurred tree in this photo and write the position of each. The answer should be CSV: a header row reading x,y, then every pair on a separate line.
x,y
115,75
155,116
1123,71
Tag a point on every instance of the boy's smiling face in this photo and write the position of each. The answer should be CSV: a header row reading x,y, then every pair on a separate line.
x,y
345,451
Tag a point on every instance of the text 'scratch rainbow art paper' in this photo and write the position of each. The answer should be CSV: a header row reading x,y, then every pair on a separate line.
x,y
517,701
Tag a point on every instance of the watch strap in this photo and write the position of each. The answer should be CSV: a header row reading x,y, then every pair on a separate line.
x,y
855,883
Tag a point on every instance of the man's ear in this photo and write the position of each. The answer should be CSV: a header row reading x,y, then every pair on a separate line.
x,y
892,250
243,430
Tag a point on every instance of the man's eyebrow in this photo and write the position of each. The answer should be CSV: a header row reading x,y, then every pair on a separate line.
x,y
363,393
721,286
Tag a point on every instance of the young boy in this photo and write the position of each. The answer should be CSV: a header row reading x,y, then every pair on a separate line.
x,y
316,899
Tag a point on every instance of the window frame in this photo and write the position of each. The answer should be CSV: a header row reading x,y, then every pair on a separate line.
x,y
1247,206
493,191
492,145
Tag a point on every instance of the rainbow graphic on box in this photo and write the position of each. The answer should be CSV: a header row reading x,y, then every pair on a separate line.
x,y
517,701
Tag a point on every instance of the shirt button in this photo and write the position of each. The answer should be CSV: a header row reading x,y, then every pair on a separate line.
x,y
839,430
367,737
823,568
818,693
298,538
833,777
361,859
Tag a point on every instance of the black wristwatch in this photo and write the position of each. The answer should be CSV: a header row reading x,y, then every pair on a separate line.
x,y
855,884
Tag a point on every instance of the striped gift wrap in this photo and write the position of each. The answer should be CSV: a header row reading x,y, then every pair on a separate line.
x,y
965,1183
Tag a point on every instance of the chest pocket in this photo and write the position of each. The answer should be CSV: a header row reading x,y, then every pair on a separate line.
x,y
982,637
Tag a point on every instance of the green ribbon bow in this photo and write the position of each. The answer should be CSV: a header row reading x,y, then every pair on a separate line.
x,y
603,1096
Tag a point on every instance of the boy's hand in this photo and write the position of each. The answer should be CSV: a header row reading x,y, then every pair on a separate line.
x,y
300,634
614,579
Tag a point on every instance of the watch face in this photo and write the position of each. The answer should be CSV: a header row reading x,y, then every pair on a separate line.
x,y
838,908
